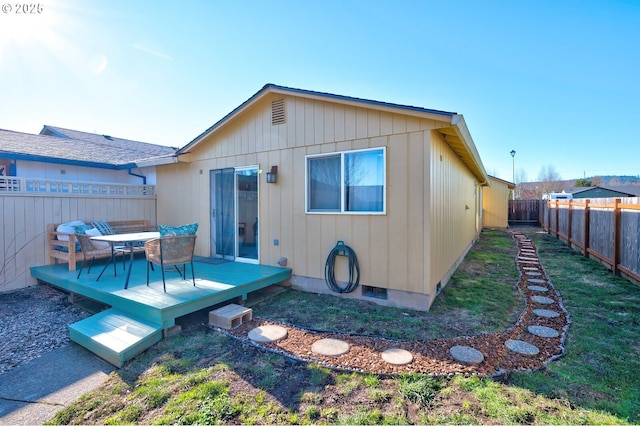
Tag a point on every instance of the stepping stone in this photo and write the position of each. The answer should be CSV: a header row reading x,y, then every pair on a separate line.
x,y
268,333
330,347
397,356
537,288
542,300
528,258
466,354
542,331
536,281
529,268
534,274
546,313
533,262
521,347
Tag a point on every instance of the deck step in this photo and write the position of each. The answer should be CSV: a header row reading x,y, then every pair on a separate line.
x,y
115,335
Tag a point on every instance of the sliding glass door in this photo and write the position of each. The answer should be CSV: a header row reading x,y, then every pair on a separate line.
x,y
234,213
222,213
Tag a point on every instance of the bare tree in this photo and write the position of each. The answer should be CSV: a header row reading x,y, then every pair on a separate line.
x,y
549,179
521,177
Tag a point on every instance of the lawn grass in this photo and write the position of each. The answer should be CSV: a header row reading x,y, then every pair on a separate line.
x,y
601,370
462,308
204,377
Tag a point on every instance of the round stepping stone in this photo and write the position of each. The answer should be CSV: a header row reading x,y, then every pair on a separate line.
x,y
534,274
542,300
397,356
542,331
536,281
466,354
330,347
521,347
268,333
546,313
537,288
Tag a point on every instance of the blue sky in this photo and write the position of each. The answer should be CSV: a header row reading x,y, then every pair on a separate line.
x,y
556,81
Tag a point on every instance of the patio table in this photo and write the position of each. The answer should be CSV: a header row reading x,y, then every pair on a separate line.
x,y
127,240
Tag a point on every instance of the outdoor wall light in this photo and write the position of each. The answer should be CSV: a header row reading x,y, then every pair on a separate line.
x,y
272,176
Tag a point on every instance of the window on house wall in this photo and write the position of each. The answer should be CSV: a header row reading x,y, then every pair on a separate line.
x,y
347,182
5,167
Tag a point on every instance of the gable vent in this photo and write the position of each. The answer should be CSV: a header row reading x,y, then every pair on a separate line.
x,y
277,112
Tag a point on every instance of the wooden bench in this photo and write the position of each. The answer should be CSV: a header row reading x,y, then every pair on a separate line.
x,y
65,251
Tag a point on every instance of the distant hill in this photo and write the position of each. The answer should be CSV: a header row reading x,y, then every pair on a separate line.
x,y
606,181
630,184
613,181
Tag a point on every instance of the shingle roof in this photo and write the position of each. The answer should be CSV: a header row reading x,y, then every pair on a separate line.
x,y
71,146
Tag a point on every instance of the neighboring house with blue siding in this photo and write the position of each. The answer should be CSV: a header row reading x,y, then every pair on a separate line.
x,y
70,155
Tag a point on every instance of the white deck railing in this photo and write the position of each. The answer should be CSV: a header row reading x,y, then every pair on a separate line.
x,y
36,186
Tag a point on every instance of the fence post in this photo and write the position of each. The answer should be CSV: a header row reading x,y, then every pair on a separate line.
x,y
587,227
570,213
617,214
557,220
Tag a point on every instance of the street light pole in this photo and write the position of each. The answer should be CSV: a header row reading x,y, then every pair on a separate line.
x,y
513,165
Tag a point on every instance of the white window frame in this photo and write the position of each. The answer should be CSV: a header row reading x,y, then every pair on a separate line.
x,y
342,189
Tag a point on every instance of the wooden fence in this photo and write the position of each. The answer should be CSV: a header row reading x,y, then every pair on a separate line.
x,y
26,212
605,228
525,212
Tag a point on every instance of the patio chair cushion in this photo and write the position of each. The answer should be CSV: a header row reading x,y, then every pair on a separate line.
x,y
104,228
95,232
170,231
81,229
68,228
65,249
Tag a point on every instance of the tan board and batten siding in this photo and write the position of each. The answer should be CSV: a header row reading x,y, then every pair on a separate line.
x,y
495,203
433,199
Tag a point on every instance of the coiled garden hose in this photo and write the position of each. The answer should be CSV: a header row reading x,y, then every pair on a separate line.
x,y
354,269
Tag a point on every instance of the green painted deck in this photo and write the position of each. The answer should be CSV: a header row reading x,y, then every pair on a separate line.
x,y
150,306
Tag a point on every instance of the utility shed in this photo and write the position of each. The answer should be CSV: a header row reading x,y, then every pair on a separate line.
x,y
290,172
495,203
